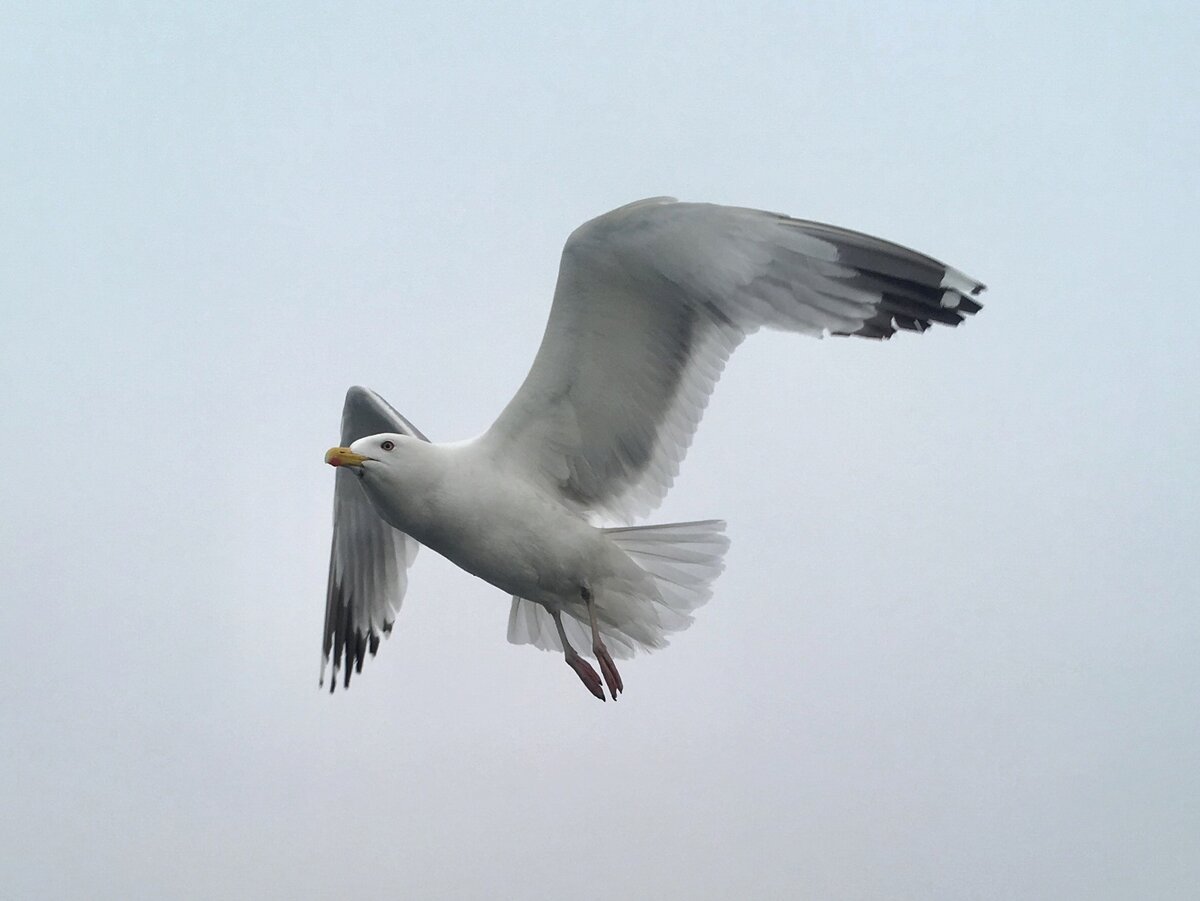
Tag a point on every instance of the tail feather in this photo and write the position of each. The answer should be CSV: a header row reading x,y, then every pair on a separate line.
x,y
683,558
677,565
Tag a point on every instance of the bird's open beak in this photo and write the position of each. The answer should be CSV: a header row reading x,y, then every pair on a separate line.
x,y
343,456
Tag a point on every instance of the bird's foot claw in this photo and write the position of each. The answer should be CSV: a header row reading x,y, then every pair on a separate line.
x,y
587,675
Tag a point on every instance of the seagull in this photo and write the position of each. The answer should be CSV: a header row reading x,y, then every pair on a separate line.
x,y
652,299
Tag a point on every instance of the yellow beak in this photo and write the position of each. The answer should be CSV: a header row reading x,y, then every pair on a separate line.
x,y
343,456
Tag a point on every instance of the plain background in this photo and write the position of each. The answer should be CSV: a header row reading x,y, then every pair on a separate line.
x,y
954,654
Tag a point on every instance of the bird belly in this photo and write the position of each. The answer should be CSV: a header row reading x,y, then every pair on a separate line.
x,y
542,555
523,544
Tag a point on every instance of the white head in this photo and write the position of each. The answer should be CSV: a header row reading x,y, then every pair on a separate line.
x,y
397,472
385,451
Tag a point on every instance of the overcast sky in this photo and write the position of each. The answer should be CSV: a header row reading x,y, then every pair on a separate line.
x,y
954,652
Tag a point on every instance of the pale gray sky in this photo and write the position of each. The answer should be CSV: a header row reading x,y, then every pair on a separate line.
x,y
954,654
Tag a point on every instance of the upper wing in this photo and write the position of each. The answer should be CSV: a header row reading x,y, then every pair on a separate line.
x,y
369,560
652,298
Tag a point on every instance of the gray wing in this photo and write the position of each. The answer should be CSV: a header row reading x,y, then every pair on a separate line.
x,y
652,299
368,560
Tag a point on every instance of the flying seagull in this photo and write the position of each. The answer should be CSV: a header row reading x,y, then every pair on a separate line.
x,y
651,300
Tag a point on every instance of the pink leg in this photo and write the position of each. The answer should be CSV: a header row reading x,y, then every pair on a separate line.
x,y
586,674
611,677
582,668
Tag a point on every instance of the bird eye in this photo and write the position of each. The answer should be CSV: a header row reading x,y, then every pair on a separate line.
x,y
388,445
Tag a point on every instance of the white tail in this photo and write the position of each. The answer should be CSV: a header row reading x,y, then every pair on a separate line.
x,y
681,559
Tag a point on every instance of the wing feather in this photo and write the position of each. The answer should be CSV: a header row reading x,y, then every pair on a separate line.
x,y
654,297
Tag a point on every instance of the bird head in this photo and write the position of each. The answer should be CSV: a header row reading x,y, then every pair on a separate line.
x,y
386,449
